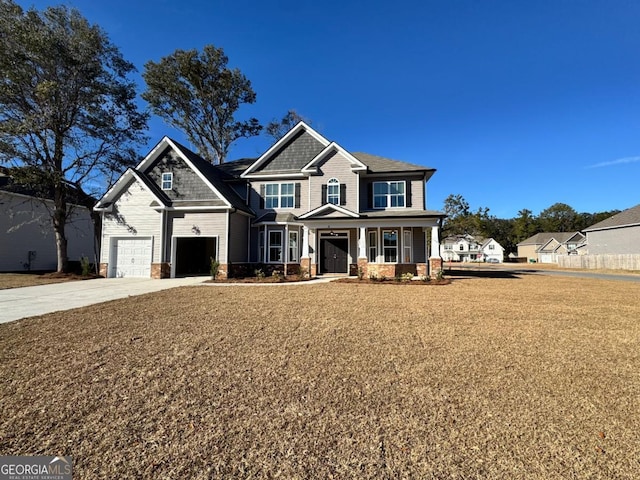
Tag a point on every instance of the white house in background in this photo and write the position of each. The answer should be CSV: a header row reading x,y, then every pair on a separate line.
x,y
27,241
467,248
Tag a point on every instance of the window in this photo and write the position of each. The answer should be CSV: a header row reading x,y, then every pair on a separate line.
x,y
461,247
373,247
279,195
406,246
390,245
448,246
261,243
275,246
492,246
293,246
333,191
388,194
167,181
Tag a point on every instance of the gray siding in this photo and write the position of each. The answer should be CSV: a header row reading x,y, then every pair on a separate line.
x,y
132,216
25,226
419,246
294,155
614,241
187,184
335,166
238,237
209,224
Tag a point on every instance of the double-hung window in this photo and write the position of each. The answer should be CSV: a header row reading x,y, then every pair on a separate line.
x,y
389,194
293,246
167,181
373,247
279,195
390,245
275,246
333,191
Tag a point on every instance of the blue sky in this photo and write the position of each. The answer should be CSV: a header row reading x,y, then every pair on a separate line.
x,y
517,104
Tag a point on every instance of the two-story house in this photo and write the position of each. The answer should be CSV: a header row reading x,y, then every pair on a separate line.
x,y
305,204
467,248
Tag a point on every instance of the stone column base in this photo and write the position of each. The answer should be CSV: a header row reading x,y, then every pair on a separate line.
x,y
421,270
160,270
363,264
435,267
103,269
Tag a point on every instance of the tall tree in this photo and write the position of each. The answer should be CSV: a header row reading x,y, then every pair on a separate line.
x,y
460,220
198,94
525,225
559,217
68,115
276,129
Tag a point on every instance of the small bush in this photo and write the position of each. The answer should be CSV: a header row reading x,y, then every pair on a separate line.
x,y
360,273
85,266
277,275
259,273
214,268
407,277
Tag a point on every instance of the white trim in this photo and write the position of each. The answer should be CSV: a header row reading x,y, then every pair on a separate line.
x,y
324,235
260,176
265,156
390,230
388,195
112,266
329,206
162,180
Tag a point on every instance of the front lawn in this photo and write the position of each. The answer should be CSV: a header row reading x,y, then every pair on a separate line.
x,y
521,377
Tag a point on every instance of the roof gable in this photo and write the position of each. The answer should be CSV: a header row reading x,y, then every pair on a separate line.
x,y
327,210
626,218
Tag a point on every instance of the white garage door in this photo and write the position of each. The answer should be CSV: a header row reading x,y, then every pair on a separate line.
x,y
131,257
547,258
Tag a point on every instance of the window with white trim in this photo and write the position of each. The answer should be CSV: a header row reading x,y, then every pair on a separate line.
x,y
294,247
389,194
492,246
390,245
406,245
167,181
275,246
333,191
279,195
373,247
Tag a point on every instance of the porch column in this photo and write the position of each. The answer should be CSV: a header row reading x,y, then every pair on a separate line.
x,y
305,242
362,243
435,260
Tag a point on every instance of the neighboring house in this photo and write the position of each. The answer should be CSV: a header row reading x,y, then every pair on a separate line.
x,y
619,234
467,248
306,205
27,240
546,246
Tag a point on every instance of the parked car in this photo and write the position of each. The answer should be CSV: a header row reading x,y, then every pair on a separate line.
x,y
493,260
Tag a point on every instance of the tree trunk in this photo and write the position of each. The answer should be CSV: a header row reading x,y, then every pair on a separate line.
x,y
59,222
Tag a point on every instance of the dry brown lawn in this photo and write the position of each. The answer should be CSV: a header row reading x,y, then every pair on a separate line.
x,y
510,378
17,280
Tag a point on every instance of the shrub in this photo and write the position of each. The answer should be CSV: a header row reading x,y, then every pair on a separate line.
x,y
407,277
259,273
360,273
85,266
214,268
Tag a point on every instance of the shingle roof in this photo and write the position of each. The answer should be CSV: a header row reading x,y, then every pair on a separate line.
x,y
544,237
628,217
378,164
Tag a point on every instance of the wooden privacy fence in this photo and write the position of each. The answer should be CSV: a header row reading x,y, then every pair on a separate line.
x,y
591,262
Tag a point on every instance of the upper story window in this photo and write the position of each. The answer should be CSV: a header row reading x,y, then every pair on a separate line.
x,y
461,247
279,195
167,181
491,246
389,194
333,191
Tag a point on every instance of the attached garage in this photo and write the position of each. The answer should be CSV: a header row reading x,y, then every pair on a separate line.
x,y
193,255
130,257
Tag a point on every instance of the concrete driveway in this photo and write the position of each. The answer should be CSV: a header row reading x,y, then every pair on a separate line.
x,y
16,303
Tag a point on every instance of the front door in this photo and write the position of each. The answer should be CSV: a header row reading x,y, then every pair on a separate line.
x,y
334,255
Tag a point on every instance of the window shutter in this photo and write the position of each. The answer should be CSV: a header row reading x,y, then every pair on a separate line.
x,y
407,195
262,196
370,194
343,194
324,194
297,191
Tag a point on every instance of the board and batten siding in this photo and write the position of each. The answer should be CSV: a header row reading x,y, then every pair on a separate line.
x,y
25,226
209,224
131,217
338,167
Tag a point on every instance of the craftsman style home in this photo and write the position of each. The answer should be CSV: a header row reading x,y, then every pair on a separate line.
x,y
304,206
